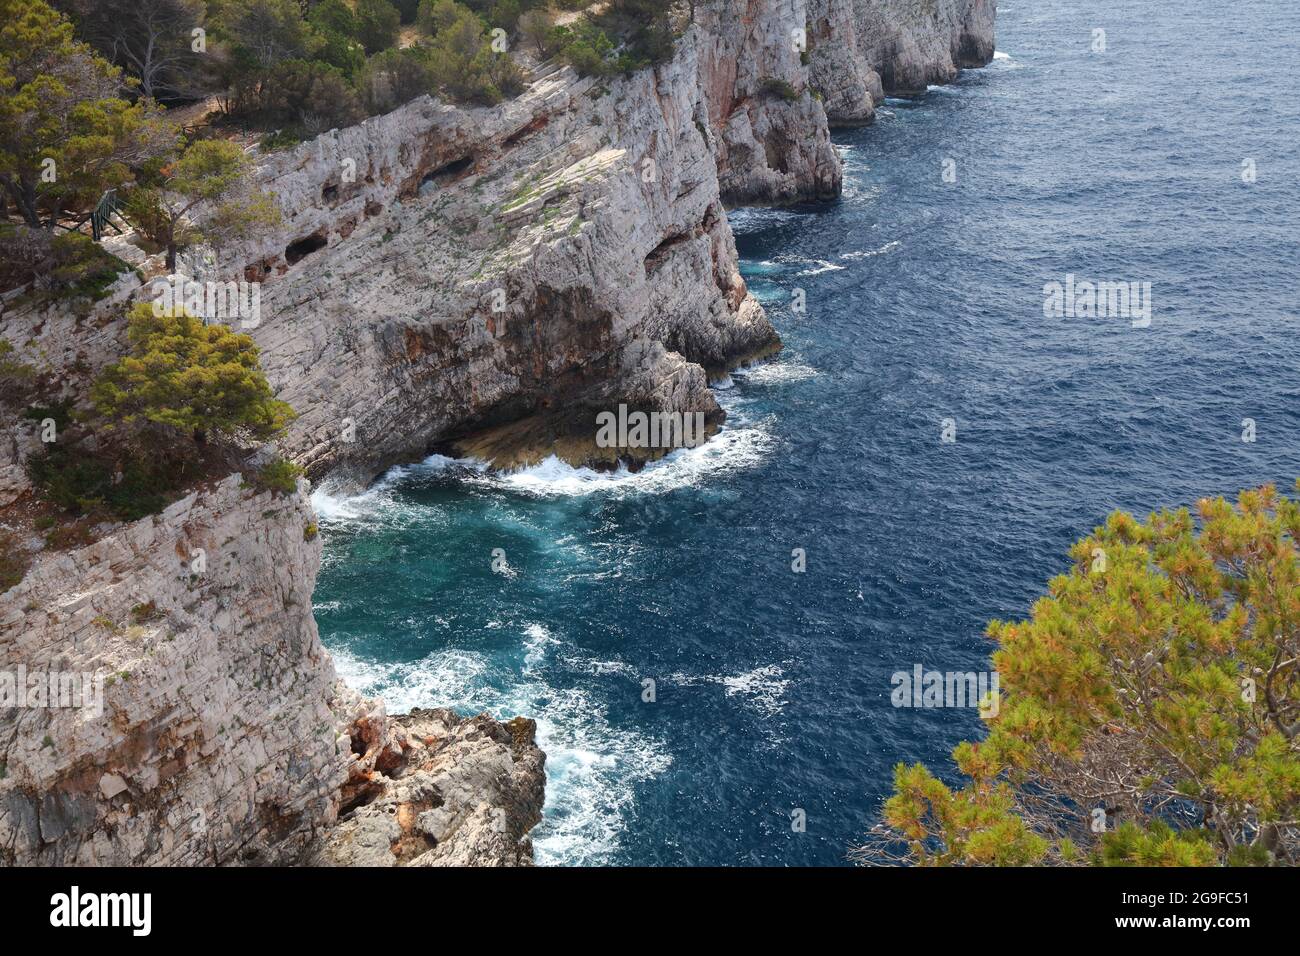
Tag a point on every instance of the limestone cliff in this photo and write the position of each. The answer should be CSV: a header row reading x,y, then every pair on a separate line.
x,y
496,276
221,735
862,49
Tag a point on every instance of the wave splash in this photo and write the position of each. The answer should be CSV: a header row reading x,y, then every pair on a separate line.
x,y
592,767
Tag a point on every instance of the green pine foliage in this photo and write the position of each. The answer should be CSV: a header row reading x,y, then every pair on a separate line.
x,y
280,476
199,380
1155,689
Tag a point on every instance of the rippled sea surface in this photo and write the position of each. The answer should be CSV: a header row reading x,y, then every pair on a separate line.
x,y
925,303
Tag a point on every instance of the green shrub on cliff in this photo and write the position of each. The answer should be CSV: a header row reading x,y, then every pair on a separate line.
x,y
622,37
775,86
377,24
119,482
280,476
58,266
1149,709
460,56
197,379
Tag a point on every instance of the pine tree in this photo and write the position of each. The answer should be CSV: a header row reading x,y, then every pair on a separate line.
x,y
201,380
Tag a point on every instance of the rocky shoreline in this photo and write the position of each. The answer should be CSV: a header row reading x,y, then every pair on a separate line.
x,y
482,280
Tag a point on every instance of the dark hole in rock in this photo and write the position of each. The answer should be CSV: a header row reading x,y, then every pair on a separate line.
x,y
661,252
448,171
302,248
330,192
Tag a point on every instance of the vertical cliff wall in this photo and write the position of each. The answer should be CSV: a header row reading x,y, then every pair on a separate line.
x,y
862,49
208,726
445,272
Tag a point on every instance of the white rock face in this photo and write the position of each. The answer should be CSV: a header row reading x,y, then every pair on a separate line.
x,y
220,734
216,741
862,49
771,138
442,271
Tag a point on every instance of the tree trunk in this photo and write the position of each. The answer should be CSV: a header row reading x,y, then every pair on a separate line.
x,y
23,195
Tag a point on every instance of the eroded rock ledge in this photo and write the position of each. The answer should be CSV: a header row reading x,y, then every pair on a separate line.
x,y
436,789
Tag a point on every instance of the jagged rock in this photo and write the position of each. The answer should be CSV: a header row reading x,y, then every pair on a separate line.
x,y
455,791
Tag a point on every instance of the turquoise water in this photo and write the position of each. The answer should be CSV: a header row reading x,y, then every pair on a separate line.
x,y
925,303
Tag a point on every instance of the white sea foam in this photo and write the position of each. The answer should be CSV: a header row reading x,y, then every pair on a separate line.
x,y
758,217
821,266
728,451
868,253
377,500
761,689
450,677
775,373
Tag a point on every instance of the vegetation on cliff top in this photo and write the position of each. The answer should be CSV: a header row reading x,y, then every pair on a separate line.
x,y
173,411
1148,712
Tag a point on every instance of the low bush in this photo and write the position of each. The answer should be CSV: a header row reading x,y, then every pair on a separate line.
x,y
774,86
126,485
59,266
278,475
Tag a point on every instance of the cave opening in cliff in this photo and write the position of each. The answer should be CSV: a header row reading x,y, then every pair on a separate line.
x,y
300,249
449,172
660,253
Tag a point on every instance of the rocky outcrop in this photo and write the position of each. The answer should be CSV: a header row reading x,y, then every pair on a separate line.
x,y
205,723
770,136
862,49
444,791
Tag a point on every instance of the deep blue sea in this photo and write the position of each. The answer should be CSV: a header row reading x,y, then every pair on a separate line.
x,y
925,303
